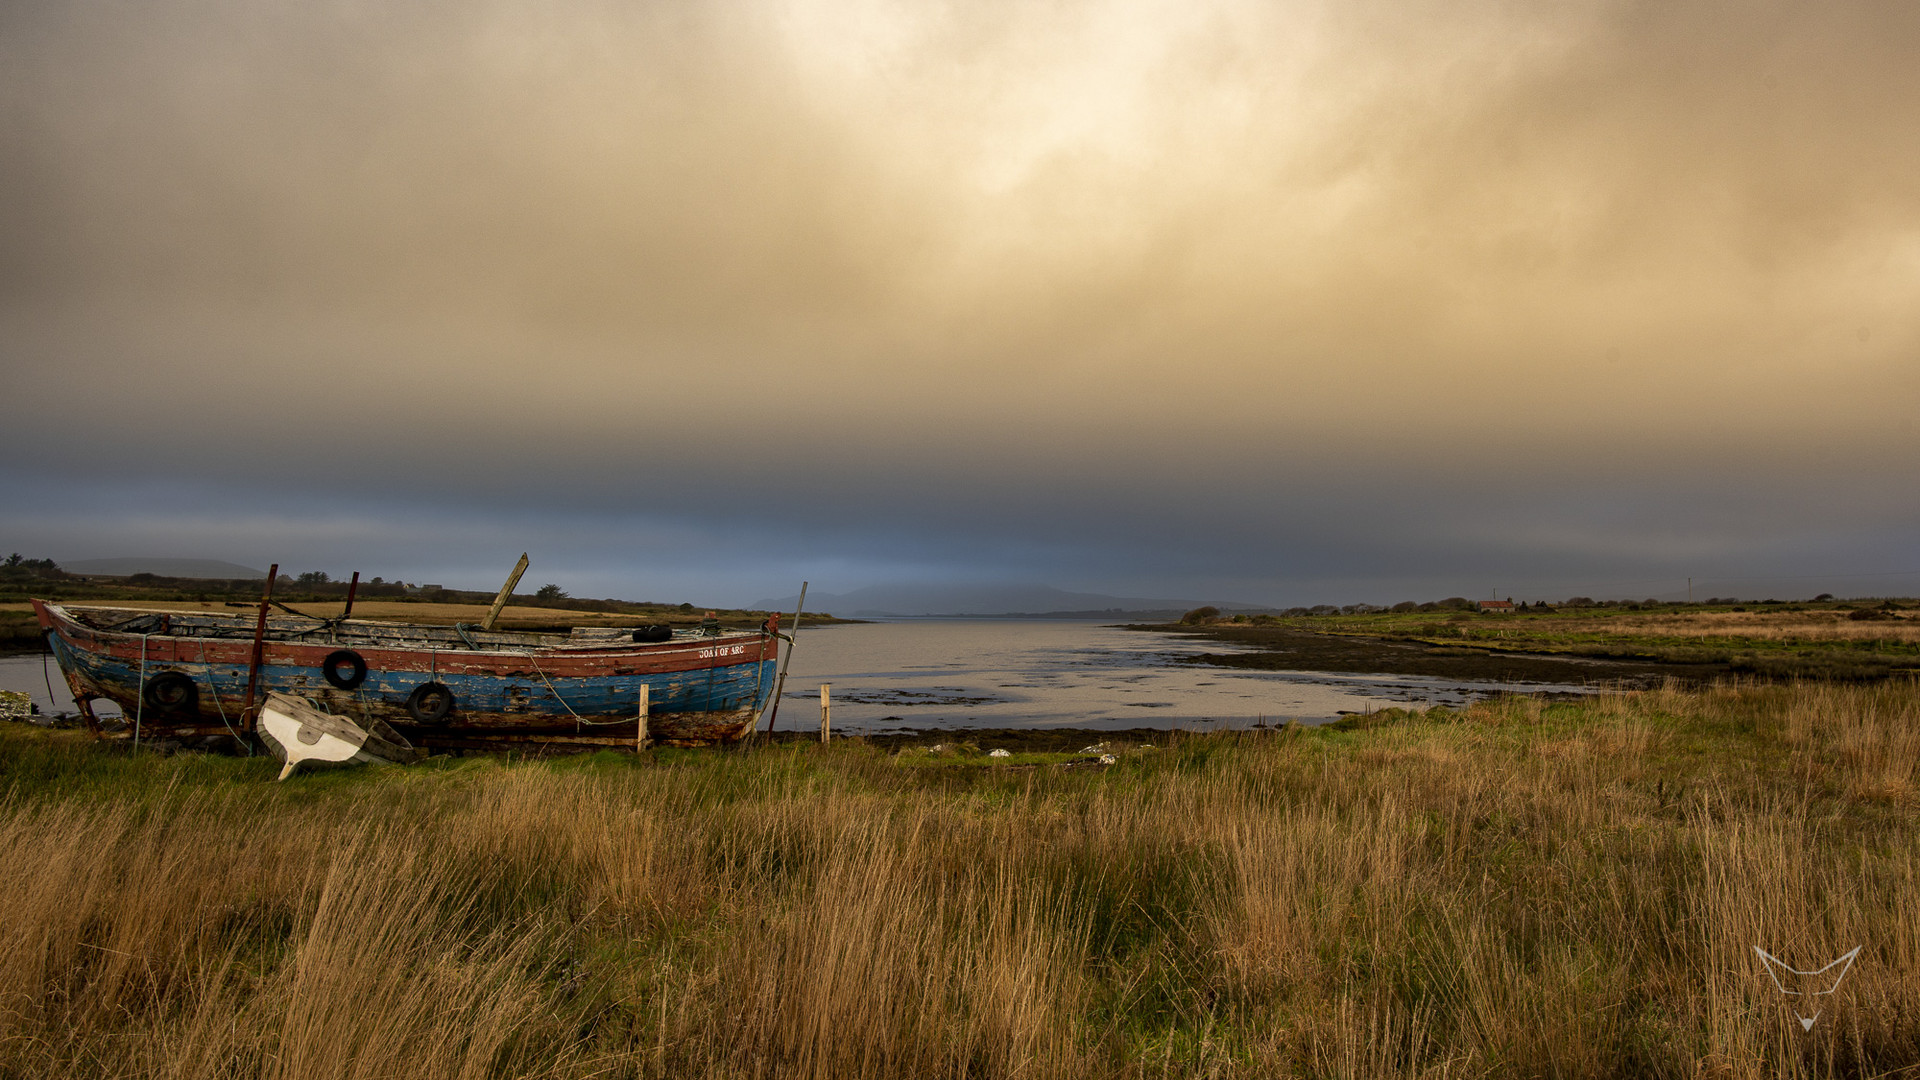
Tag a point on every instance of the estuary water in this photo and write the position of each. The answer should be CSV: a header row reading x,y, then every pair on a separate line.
x,y
26,673
928,674
1029,673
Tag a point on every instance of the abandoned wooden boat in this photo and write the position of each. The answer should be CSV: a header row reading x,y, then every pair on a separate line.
x,y
186,674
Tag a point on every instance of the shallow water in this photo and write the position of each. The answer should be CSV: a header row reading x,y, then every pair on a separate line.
x,y
979,673
973,673
25,673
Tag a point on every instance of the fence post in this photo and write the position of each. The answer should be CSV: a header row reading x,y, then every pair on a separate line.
x,y
826,710
641,736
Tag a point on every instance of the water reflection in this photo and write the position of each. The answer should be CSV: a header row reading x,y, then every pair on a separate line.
x,y
1033,673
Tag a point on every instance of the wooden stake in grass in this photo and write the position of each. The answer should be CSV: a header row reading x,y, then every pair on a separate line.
x,y
493,615
641,738
826,710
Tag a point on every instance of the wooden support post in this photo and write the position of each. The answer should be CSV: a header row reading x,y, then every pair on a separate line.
x,y
247,717
826,710
506,591
642,738
352,587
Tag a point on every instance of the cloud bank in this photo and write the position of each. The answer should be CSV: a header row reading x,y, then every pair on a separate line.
x,y
1269,300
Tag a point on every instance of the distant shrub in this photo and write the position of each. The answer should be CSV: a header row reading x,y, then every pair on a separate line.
x,y
1404,606
18,566
550,592
1457,603
1201,614
1579,601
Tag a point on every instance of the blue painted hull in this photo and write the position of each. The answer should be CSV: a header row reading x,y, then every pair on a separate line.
x,y
505,688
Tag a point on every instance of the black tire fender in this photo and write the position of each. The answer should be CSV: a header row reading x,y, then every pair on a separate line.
x,y
652,634
171,693
430,703
344,658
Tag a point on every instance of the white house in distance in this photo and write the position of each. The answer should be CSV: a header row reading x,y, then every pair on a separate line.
x,y
1497,607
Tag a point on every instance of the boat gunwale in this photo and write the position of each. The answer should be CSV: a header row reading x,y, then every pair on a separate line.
x,y
405,637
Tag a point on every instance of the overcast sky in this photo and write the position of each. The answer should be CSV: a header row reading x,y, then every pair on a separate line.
x,y
1287,302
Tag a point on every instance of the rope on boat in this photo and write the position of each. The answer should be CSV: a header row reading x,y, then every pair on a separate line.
x,y
47,676
215,688
563,701
760,676
140,699
551,689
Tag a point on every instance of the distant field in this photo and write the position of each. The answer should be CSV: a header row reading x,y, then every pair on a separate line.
x,y
1783,626
1520,888
1699,644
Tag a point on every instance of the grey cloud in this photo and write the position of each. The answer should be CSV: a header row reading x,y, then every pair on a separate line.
x,y
1125,295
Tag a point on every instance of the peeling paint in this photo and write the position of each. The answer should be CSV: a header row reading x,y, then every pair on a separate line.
x,y
513,687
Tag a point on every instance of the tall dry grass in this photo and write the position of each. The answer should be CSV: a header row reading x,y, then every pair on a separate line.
x,y
1521,888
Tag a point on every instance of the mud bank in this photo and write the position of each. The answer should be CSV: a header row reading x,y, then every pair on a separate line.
x,y
1277,649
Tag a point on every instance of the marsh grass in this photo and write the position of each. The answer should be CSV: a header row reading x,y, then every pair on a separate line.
x,y
1517,888
1777,644
1799,626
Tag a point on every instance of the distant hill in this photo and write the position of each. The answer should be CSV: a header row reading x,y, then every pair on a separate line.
x,y
182,568
881,601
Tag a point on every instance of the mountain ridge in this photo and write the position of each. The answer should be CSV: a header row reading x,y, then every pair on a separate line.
x,y
212,569
910,600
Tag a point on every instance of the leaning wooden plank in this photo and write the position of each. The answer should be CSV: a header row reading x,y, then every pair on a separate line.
x,y
506,591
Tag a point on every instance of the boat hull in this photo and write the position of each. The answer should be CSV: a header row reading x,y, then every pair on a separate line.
x,y
507,688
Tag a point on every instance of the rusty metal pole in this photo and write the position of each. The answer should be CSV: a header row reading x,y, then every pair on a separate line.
x,y
793,637
247,717
352,587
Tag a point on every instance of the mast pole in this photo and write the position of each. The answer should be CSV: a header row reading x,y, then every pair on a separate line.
x,y
248,718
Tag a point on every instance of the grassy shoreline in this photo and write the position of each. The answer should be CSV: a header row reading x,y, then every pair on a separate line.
x,y
1522,887
1644,646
